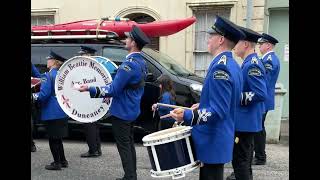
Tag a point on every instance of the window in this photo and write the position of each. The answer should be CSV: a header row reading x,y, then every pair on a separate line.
x,y
205,18
117,55
153,69
167,62
42,20
39,53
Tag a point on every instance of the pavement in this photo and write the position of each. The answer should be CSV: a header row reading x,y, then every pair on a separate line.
x,y
108,166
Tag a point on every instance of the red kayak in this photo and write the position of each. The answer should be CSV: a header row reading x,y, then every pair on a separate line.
x,y
115,26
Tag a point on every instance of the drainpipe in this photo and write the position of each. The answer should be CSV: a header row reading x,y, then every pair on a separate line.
x,y
249,13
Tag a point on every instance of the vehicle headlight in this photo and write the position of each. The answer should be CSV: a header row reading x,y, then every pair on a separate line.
x,y
196,87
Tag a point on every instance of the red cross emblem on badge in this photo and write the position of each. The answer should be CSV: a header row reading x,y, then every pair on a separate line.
x,y
65,101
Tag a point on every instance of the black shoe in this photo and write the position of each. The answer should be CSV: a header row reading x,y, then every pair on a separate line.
x,y
231,177
88,154
120,178
53,166
64,164
33,148
256,161
99,152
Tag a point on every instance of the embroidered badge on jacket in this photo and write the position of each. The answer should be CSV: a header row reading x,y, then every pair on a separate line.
x,y
44,79
268,66
254,72
126,68
219,74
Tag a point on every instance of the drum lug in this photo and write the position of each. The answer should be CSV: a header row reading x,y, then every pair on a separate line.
x,y
178,174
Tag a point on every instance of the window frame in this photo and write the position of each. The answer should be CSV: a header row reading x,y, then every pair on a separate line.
x,y
206,7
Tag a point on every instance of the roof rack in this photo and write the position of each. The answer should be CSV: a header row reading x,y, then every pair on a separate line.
x,y
69,35
115,19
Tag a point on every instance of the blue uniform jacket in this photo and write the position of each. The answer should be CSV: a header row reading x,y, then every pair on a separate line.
x,y
254,93
166,99
272,67
35,72
213,123
126,101
50,108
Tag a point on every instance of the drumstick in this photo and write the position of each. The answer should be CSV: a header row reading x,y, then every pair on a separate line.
x,y
165,116
169,115
172,106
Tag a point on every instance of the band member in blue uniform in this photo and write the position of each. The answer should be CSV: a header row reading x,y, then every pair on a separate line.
x,y
126,89
213,118
34,73
51,112
91,129
249,114
272,67
167,96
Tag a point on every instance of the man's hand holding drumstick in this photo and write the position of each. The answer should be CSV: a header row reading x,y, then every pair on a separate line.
x,y
177,113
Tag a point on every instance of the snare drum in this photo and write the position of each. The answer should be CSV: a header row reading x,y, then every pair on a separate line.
x,y
170,152
93,71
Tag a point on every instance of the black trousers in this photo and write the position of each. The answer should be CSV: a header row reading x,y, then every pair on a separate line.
x,y
211,172
260,142
123,134
57,150
242,155
93,136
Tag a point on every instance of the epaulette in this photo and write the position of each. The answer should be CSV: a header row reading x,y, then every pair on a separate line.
x,y
254,60
223,60
269,58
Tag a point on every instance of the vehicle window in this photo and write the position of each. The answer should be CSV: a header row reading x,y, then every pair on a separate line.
x,y
114,54
153,69
35,57
42,68
118,55
65,51
39,53
167,62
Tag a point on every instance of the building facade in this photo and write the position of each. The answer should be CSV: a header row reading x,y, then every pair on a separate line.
x,y
188,47
276,22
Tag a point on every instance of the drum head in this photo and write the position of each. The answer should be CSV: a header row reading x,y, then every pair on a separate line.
x,y
78,105
167,135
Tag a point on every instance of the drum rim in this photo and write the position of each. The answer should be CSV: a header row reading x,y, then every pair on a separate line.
x,y
152,139
167,173
56,86
109,60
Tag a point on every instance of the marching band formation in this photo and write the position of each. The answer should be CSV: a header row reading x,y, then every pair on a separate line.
x,y
227,124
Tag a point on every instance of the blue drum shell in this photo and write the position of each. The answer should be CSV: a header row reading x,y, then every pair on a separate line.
x,y
109,65
170,155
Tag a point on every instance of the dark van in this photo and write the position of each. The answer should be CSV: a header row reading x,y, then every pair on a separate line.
x,y
187,85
